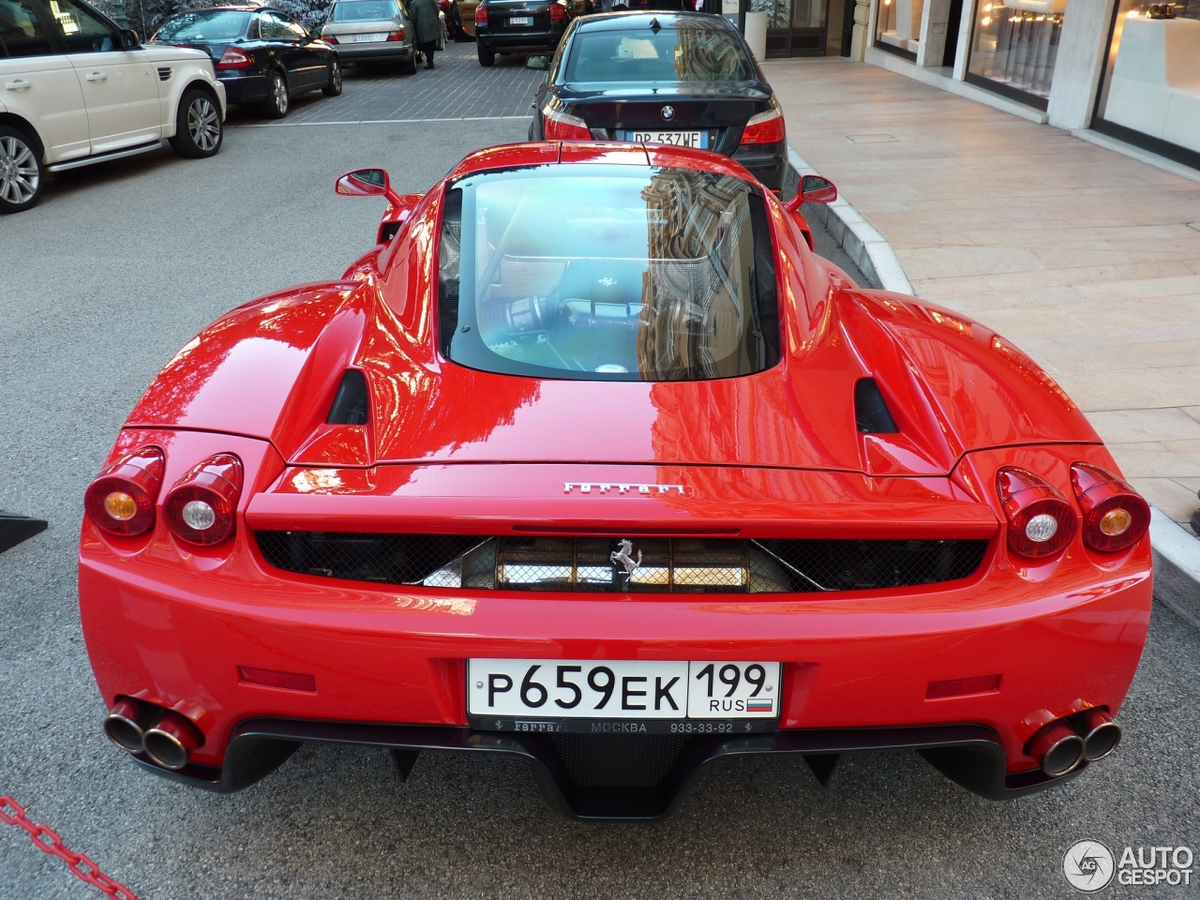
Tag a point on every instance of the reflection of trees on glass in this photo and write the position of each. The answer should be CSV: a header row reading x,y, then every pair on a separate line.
x,y
705,54
695,290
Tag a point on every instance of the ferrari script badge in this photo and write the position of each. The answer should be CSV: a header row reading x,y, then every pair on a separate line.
x,y
668,113
585,487
623,557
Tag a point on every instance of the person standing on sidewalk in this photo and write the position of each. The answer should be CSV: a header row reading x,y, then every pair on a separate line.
x,y
424,15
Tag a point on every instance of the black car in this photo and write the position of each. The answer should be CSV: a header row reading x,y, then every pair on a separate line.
x,y
674,78
260,54
518,26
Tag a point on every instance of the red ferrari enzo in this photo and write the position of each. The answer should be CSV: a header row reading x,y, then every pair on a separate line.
x,y
592,461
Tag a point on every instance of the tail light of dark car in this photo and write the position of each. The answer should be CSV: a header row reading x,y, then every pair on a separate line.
x,y
559,126
764,128
558,12
233,58
121,500
1115,517
1041,523
480,15
201,508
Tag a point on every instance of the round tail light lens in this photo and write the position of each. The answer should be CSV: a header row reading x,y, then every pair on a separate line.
x,y
201,508
121,500
1041,523
1115,517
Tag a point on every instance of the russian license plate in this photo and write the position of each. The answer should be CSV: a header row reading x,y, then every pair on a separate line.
x,y
678,138
520,20
623,696
363,38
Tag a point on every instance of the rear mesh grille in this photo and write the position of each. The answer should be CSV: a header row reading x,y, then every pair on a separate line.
x,y
618,760
608,565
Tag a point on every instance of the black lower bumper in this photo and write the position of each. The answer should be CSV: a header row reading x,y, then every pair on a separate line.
x,y
247,88
519,42
584,788
768,163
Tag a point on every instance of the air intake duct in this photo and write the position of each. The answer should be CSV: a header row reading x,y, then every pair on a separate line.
x,y
350,406
870,411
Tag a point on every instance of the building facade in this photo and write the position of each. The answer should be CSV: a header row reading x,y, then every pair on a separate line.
x,y
1126,68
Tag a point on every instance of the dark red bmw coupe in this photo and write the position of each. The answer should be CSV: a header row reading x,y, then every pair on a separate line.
x,y
592,461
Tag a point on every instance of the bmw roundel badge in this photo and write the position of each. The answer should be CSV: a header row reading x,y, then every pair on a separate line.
x,y
668,113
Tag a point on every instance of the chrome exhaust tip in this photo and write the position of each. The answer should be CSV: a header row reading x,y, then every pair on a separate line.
x,y
126,723
1057,749
171,741
1101,734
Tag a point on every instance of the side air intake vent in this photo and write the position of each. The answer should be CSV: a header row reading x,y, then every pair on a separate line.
x,y
870,410
350,404
164,73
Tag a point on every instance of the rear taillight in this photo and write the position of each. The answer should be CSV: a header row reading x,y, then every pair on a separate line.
x,y
396,35
1115,517
558,126
121,499
1041,523
558,12
233,58
201,508
764,128
480,15
329,39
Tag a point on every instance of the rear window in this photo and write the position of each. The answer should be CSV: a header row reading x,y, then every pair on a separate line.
x,y
363,11
607,273
215,25
695,51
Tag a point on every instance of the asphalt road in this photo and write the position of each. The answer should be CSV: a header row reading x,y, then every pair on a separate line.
x,y
99,286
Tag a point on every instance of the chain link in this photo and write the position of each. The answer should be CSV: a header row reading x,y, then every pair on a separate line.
x,y
46,840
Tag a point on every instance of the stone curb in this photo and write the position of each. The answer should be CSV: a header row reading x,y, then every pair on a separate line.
x,y
1176,551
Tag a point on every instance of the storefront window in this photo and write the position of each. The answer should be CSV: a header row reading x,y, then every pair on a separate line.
x,y
898,27
1151,90
1014,47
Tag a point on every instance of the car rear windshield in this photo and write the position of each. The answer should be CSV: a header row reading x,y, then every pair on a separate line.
x,y
212,25
363,11
695,51
607,273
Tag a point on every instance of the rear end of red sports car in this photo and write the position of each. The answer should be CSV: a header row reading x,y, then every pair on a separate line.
x,y
593,462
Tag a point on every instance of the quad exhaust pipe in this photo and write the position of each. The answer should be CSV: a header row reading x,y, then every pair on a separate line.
x,y
167,737
1064,744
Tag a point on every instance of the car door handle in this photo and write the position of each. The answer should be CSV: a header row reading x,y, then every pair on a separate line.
x,y
97,77
19,85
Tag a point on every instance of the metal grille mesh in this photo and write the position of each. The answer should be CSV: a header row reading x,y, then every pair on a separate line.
x,y
618,760
609,565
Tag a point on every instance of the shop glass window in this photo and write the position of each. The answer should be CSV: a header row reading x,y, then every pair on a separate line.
x,y
898,26
1152,77
1014,47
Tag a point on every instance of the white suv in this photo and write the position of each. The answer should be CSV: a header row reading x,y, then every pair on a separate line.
x,y
80,90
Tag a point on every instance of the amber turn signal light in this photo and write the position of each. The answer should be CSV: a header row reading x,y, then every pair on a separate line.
x,y
1041,523
121,500
201,508
1115,517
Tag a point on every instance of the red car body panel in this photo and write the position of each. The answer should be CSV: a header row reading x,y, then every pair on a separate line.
x,y
454,450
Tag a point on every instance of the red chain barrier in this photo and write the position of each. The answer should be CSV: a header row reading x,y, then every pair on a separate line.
x,y
12,813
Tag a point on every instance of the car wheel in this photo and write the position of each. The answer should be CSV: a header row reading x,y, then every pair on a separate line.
x,y
410,64
276,105
487,57
335,79
198,130
21,173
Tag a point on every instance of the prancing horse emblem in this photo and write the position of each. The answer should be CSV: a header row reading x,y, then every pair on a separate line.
x,y
624,557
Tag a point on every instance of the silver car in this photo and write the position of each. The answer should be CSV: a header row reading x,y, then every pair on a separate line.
x,y
372,31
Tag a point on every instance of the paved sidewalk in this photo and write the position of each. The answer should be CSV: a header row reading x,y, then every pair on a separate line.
x,y
1083,257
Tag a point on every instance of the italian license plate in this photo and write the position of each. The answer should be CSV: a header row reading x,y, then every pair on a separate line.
x,y
623,696
678,138
520,20
363,38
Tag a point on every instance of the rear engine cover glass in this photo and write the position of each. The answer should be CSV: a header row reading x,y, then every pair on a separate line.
x,y
619,274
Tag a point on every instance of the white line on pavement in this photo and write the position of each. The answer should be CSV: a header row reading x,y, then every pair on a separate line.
x,y
381,121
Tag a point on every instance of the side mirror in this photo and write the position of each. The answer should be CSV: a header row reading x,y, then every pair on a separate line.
x,y
812,189
367,183
128,39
